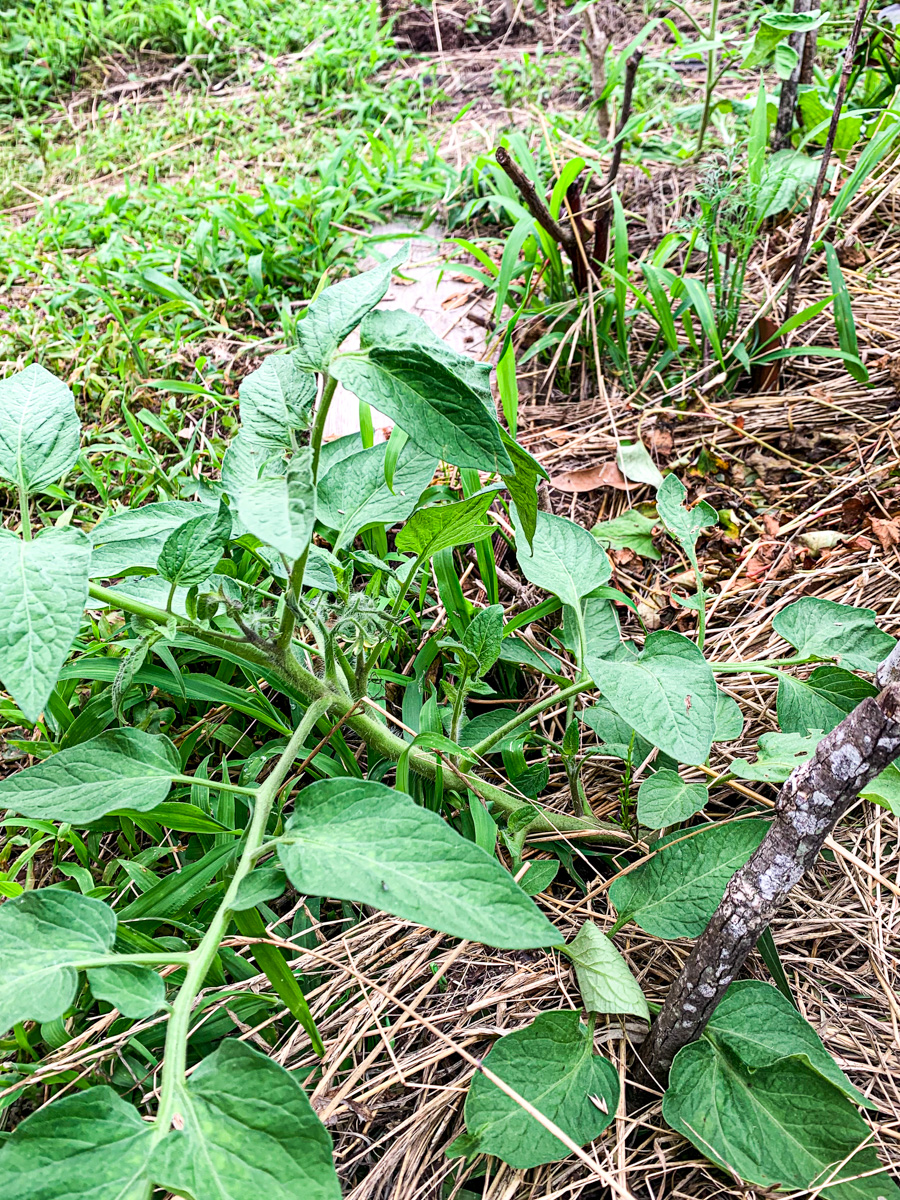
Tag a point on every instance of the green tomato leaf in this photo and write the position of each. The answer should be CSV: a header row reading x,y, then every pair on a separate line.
x,y
259,887
788,175
675,893
665,799
320,568
540,874
619,738
443,526
336,312
397,329
773,28
247,460
551,1064
353,493
667,693
604,977
120,768
191,552
483,637
135,537
636,464
829,630
819,702
522,485
137,992
564,559
786,58
249,1132
439,410
601,626
352,839
780,1125
282,512
729,718
630,531
885,789
777,755
757,1023
683,523
89,1144
39,429
43,587
45,935
276,401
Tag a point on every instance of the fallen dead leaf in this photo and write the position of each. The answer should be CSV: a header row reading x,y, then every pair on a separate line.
x,y
771,524
458,299
820,539
588,479
851,253
887,531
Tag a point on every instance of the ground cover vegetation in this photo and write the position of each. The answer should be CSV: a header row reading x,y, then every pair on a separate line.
x,y
506,808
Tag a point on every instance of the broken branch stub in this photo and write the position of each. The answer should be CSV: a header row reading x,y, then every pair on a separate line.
x,y
809,806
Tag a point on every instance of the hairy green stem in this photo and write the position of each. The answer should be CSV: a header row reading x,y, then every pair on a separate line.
x,y
137,960
26,515
710,76
380,739
318,430
216,785
288,620
202,957
573,689
766,666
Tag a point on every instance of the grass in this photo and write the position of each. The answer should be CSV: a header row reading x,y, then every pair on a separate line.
x,y
47,48
182,227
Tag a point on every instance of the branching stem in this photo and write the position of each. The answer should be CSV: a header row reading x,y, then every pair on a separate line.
x,y
201,958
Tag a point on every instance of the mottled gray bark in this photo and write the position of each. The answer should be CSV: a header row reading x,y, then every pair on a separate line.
x,y
809,806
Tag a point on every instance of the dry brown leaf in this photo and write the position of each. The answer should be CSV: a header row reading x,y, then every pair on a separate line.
x,y
887,531
851,253
458,299
588,479
771,524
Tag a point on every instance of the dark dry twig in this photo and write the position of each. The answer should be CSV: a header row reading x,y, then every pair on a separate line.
x,y
534,203
802,249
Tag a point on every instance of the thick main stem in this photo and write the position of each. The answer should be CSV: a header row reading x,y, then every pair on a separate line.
x,y
288,621
201,958
809,806
386,744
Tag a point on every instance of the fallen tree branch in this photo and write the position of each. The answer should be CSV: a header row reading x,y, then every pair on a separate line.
x,y
809,806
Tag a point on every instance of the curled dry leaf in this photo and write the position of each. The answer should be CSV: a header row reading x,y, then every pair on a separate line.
x,y
589,479
887,531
